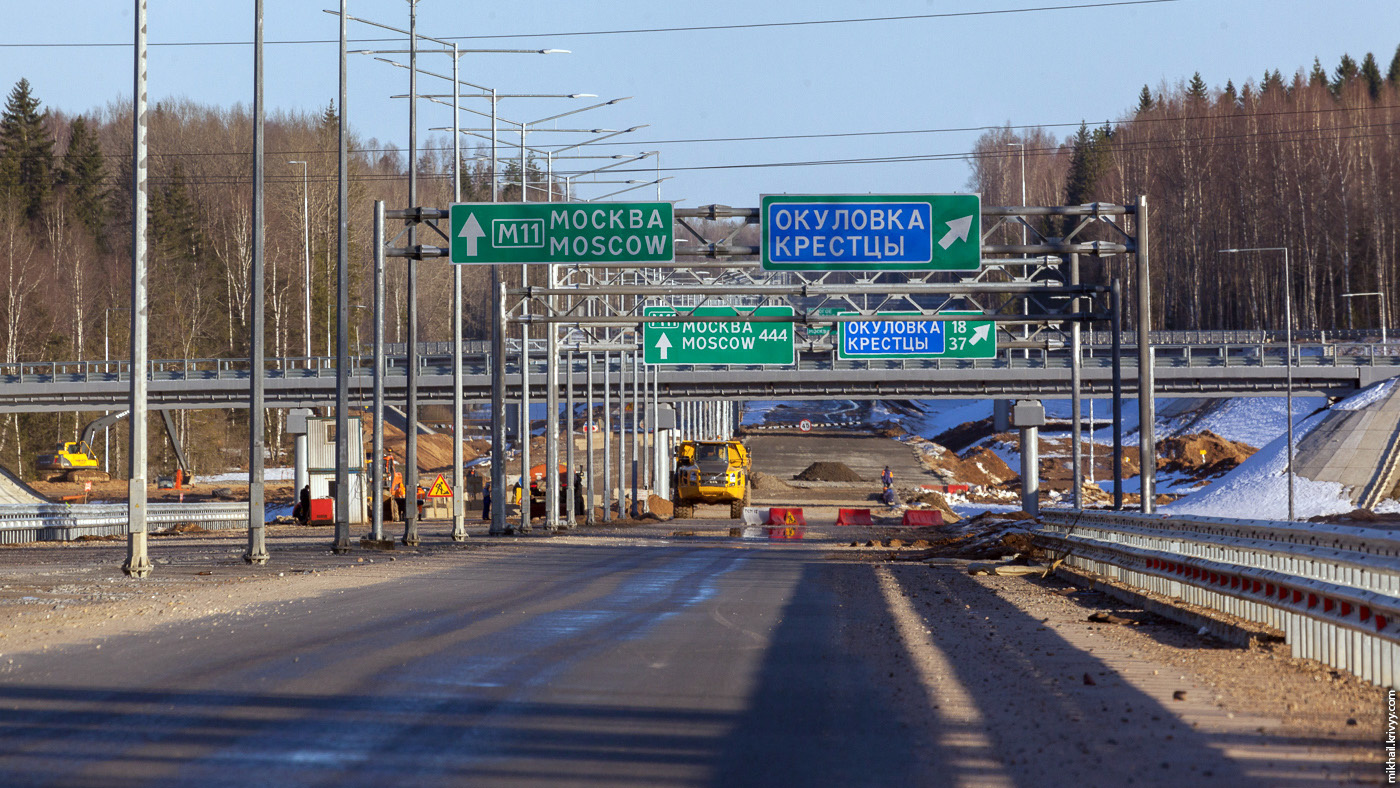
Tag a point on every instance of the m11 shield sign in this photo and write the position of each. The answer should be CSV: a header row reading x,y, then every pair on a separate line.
x,y
871,232
561,232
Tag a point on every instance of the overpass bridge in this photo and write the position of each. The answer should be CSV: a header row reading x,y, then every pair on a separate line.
x,y
1201,369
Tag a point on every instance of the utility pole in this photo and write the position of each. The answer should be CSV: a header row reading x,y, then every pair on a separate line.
x,y
138,563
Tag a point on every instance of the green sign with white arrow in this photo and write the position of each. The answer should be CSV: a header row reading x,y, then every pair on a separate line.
x,y
542,232
719,342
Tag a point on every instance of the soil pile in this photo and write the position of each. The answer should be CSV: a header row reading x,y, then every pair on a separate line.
x,y
768,483
828,472
434,451
1201,454
965,434
936,500
980,466
660,507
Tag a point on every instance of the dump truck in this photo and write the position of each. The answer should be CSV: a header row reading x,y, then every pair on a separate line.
x,y
713,472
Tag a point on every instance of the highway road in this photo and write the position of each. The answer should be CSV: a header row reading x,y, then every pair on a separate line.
x,y
626,658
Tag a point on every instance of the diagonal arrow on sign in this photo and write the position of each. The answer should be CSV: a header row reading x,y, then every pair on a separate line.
x,y
663,344
471,230
979,333
957,231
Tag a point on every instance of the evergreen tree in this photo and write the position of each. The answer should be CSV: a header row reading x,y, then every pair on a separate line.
x,y
1273,81
1346,72
1393,75
26,150
1318,75
1230,98
1088,163
1371,74
1144,101
1197,90
175,225
82,176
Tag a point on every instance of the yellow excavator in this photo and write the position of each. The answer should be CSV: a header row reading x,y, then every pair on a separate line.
x,y
75,461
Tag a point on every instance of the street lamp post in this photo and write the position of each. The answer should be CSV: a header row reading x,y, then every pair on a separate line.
x,y
1379,295
1022,146
306,255
1288,343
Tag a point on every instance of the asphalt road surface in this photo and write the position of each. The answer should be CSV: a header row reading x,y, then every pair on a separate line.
x,y
623,660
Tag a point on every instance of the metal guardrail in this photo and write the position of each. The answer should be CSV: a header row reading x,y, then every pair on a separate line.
x,y
1334,591
54,522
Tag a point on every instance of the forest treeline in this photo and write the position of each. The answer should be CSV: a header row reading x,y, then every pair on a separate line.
x,y
1310,162
65,248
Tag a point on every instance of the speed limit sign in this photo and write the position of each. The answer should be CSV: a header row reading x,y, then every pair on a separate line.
x,y
805,425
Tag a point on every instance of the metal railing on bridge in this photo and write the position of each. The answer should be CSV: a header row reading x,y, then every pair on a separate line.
x,y
1255,354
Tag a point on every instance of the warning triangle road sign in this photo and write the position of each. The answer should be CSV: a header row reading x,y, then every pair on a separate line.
x,y
440,489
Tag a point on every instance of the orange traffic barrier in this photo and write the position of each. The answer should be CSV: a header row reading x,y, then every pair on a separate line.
x,y
786,532
922,517
786,516
854,517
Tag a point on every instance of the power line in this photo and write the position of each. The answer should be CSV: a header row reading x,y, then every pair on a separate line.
x,y
1293,135
830,135
631,31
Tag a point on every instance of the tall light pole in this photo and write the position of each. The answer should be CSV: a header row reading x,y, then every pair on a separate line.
x,y
1288,342
1380,295
306,255
1022,146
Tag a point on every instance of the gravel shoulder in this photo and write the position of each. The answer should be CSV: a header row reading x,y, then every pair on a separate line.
x,y
1152,703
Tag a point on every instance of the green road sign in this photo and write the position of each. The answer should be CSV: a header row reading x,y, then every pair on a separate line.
x,y
899,339
933,232
541,232
823,329
719,342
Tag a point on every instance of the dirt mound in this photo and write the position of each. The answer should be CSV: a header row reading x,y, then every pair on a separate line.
x,y
766,482
890,429
935,500
980,466
434,451
1201,454
828,472
659,506
965,434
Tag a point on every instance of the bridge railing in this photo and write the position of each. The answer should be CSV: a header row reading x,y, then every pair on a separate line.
x,y
1334,591
1094,355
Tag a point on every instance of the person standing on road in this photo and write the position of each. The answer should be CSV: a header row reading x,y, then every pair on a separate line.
x,y
486,501
887,478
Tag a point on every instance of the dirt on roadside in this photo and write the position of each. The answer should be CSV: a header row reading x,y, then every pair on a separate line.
x,y
828,472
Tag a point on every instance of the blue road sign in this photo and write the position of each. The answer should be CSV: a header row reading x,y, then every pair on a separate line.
x,y
902,339
867,232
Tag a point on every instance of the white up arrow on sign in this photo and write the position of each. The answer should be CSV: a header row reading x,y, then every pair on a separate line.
x,y
957,231
663,344
471,230
980,333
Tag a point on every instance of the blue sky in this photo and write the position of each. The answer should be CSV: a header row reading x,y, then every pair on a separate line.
x,y
1039,67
